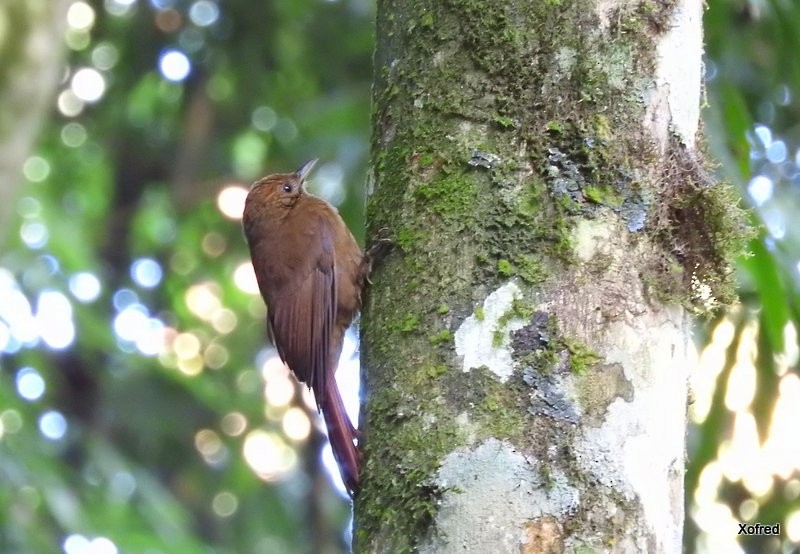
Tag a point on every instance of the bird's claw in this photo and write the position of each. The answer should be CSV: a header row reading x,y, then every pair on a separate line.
x,y
378,249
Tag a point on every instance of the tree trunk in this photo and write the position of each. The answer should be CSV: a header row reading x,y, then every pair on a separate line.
x,y
526,346
31,52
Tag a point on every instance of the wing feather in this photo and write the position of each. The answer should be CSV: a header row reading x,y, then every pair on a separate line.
x,y
302,318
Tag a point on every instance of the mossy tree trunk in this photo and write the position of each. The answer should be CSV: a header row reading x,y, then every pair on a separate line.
x,y
31,52
525,348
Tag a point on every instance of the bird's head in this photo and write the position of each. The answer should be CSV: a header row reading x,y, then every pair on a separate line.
x,y
283,189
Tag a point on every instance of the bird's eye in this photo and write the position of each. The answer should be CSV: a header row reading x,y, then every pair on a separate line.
x,y
287,187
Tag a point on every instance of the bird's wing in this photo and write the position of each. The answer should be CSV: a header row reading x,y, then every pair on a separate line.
x,y
302,316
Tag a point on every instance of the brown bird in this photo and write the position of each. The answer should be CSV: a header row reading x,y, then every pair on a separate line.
x,y
310,272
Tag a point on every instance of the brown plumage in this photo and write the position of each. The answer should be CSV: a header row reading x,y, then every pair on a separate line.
x,y
310,272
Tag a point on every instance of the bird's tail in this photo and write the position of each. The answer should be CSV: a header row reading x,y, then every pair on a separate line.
x,y
341,435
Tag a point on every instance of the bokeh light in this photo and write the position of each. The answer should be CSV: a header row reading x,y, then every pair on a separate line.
x,y
119,8
69,104
739,394
73,134
742,457
128,324
781,454
146,272
88,85
296,424
80,16
215,356
230,201
79,544
279,387
122,485
211,447
30,384
793,526
16,313
124,298
224,320
174,65
53,425
204,13
105,56
85,286
264,118
268,455
203,299
54,319
135,327
34,234
225,504
244,276
36,169
234,424
213,244
11,420
186,345
5,337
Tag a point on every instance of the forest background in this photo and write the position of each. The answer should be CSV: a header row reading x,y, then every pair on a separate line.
x,y
141,407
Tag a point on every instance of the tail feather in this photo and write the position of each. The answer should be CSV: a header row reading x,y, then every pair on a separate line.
x,y
341,435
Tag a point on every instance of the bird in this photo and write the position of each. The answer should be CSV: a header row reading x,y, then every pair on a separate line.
x,y
311,273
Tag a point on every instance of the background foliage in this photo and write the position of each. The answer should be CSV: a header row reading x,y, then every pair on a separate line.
x,y
132,360
137,401
743,452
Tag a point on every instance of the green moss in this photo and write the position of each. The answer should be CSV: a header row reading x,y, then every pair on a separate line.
x,y
400,466
494,407
504,121
426,160
603,195
454,197
581,357
435,371
554,126
479,313
531,268
703,227
497,338
442,337
406,238
505,268
443,309
518,310
410,323
426,21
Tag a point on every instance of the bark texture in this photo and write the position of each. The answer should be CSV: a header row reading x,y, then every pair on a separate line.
x,y
31,53
526,347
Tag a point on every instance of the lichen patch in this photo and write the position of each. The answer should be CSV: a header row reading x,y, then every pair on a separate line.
x,y
484,338
493,493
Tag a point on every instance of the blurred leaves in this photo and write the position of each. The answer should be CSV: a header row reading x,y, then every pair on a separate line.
x,y
753,82
162,385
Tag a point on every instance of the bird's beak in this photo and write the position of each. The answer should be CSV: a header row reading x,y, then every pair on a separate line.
x,y
305,169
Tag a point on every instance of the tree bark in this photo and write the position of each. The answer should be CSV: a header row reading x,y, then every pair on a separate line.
x,y
31,53
526,346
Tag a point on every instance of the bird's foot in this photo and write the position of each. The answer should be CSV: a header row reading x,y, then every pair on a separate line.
x,y
379,247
